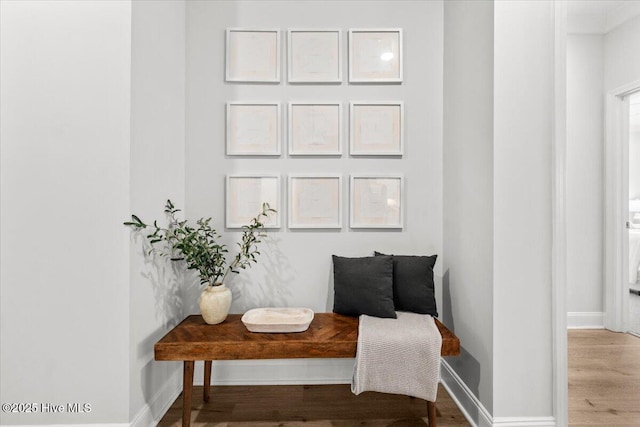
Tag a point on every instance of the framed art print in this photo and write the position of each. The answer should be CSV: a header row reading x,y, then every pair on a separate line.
x,y
315,129
315,201
375,55
253,129
376,128
315,56
376,201
245,195
252,55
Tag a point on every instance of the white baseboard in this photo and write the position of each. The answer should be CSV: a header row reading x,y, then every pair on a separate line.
x,y
585,320
159,403
472,409
469,404
277,372
524,422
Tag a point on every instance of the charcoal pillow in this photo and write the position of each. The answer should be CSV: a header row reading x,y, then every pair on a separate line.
x,y
413,287
363,286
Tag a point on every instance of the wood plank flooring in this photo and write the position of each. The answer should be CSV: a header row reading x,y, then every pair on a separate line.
x,y
604,379
604,390
310,405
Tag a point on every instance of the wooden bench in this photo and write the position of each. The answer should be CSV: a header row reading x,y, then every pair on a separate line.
x,y
330,335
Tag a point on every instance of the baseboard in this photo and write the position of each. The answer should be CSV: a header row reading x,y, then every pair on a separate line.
x,y
585,320
473,410
277,372
159,403
524,422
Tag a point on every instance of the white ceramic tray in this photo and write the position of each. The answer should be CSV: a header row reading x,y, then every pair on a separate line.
x,y
277,320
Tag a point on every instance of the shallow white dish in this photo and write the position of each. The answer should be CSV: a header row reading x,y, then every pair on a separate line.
x,y
277,320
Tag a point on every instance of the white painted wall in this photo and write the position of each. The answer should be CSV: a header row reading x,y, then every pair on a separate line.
x,y
621,67
634,146
523,129
468,193
595,65
295,269
157,173
64,101
584,172
621,59
499,75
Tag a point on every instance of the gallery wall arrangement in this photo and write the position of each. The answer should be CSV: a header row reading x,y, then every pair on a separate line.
x,y
315,128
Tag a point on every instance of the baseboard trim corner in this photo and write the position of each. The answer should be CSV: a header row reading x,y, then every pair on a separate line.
x,y
475,412
585,320
470,406
159,403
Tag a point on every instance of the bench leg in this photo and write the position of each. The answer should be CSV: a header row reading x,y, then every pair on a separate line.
x,y
207,381
431,413
187,388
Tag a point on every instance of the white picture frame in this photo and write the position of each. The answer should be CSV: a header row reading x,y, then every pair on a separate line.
x,y
315,128
252,55
376,128
376,201
314,56
375,55
253,129
245,195
315,201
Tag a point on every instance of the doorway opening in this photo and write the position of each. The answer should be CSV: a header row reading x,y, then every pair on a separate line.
x,y
621,191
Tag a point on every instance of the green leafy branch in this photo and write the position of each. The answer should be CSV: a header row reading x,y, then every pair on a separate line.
x,y
198,246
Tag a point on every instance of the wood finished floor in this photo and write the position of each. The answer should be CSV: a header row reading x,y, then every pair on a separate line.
x,y
315,405
604,379
604,390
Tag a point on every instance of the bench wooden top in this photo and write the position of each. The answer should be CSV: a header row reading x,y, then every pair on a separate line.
x,y
329,335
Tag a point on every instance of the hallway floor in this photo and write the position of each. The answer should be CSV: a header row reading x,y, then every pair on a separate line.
x,y
604,390
604,379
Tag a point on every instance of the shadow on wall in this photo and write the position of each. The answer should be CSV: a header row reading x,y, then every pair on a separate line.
x,y
330,290
446,311
167,279
274,288
465,366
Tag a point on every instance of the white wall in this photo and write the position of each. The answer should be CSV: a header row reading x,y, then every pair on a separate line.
x,y
157,173
303,276
621,67
523,129
65,88
499,74
634,147
621,59
596,64
295,269
468,193
584,172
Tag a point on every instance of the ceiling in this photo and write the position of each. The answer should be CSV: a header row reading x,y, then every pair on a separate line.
x,y
590,7
599,16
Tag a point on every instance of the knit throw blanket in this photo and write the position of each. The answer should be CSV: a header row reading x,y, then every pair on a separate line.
x,y
398,356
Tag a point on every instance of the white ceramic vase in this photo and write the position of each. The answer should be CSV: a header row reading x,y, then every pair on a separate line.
x,y
214,303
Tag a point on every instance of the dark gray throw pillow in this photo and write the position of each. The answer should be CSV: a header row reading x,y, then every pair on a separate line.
x,y
363,286
413,287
